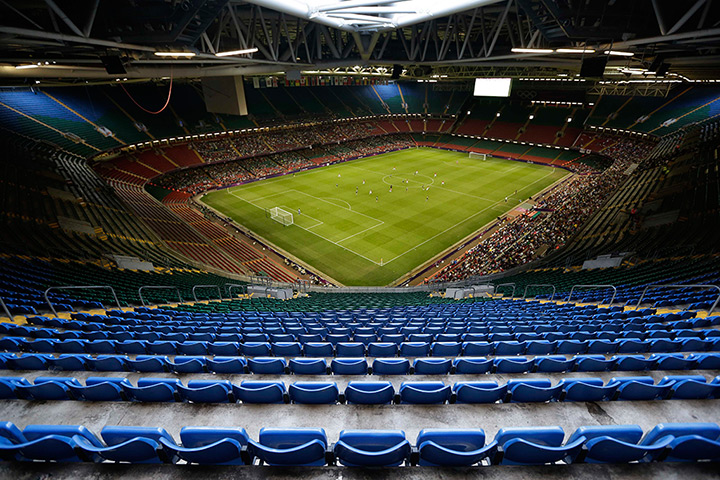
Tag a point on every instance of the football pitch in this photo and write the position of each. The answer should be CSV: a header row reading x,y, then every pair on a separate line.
x,y
372,220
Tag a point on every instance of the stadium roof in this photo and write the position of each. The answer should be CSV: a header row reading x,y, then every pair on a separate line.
x,y
75,39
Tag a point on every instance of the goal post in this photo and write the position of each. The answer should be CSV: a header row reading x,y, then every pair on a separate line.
x,y
281,216
481,156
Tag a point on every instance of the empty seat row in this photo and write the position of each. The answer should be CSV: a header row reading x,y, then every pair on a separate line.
x,y
371,349
372,393
670,442
358,365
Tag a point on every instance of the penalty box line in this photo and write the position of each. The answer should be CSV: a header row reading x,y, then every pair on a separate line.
x,y
314,233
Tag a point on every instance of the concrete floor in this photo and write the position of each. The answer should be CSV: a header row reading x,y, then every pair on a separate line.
x,y
666,471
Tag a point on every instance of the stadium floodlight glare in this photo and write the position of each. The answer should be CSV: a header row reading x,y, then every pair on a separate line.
x,y
244,51
575,50
20,67
618,53
175,54
492,87
531,50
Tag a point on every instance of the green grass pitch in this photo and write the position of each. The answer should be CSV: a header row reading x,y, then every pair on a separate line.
x,y
363,238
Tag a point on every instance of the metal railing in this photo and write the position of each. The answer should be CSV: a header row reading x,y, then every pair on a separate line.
x,y
6,309
594,286
506,285
158,287
539,285
230,286
207,286
80,287
682,286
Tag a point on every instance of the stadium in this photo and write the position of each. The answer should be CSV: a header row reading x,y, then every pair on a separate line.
x,y
359,238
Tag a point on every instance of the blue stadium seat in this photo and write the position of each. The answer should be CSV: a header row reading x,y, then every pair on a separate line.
x,y
512,364
52,442
469,365
109,363
687,442
479,392
535,445
432,366
69,362
391,366
414,349
267,365
593,363
372,448
587,390
382,349
350,349
554,363
148,363
188,364
286,349
205,391
260,392
229,349
290,446
255,349
308,366
453,448
319,349
610,444
130,444
313,392
425,392
349,366
446,349
690,387
629,363
477,348
533,390
47,388
639,388
369,393
153,389
210,445
234,365
101,389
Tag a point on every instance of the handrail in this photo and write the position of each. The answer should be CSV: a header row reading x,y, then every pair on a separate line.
x,y
682,286
6,309
539,285
207,286
230,286
79,287
594,286
506,285
158,287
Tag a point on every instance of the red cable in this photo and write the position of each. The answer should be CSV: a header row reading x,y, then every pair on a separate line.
x,y
167,102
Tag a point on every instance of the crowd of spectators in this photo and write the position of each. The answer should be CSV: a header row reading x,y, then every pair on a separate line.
x,y
554,218
196,180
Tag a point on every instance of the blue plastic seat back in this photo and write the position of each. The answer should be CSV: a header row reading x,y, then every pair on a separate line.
x,y
369,393
234,365
291,446
319,349
260,392
205,391
479,392
133,444
387,448
349,366
267,365
425,392
313,392
391,366
308,366
451,447
432,366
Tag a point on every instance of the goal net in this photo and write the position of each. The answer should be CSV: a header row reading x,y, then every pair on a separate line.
x,y
480,156
281,216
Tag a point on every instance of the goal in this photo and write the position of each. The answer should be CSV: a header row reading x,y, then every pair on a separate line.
x,y
481,156
281,216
